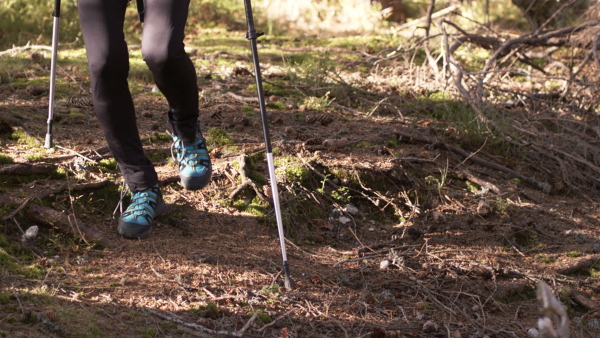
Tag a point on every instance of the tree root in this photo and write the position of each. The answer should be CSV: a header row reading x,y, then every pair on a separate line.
x,y
247,182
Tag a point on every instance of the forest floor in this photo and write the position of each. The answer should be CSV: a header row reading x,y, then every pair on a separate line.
x,y
387,236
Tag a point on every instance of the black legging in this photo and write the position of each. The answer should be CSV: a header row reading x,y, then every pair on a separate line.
x,y
174,73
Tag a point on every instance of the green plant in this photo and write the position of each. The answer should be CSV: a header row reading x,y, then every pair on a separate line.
x,y
270,289
319,104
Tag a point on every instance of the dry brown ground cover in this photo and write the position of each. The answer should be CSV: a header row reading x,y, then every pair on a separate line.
x,y
438,245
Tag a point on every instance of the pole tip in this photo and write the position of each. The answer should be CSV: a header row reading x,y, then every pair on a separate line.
x,y
48,142
288,283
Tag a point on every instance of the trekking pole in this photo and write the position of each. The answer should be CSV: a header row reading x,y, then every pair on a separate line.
x,y
252,35
56,14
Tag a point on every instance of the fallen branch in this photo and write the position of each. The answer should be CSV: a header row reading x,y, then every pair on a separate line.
x,y
429,16
24,48
542,186
477,180
171,317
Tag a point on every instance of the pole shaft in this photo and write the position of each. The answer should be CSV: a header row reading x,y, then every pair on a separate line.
x,y
252,36
55,30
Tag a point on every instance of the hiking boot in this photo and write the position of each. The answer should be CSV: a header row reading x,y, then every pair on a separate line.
x,y
194,164
136,221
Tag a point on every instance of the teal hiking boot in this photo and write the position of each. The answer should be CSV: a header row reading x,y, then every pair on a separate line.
x,y
136,221
195,168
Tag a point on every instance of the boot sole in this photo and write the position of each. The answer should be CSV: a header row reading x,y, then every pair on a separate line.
x,y
135,231
196,183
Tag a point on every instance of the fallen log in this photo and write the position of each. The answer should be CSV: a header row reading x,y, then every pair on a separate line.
x,y
26,169
63,222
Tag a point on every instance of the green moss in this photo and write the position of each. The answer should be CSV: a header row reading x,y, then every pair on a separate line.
x,y
548,260
157,157
272,89
257,177
363,144
517,294
296,174
264,317
59,174
146,332
34,157
4,299
32,271
277,105
573,254
249,111
5,159
21,137
218,137
11,265
160,138
108,164
210,310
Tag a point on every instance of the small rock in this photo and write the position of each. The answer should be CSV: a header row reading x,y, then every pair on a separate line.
x,y
344,220
438,217
593,324
414,233
37,56
533,332
430,327
35,90
155,89
483,208
595,248
352,210
30,234
456,334
384,264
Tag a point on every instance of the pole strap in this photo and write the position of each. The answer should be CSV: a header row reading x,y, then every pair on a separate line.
x,y
56,13
140,8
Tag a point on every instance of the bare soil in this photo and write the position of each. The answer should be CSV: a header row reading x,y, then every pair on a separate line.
x,y
426,254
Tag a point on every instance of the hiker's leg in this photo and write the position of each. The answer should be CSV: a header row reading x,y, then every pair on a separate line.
x,y
102,26
174,72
